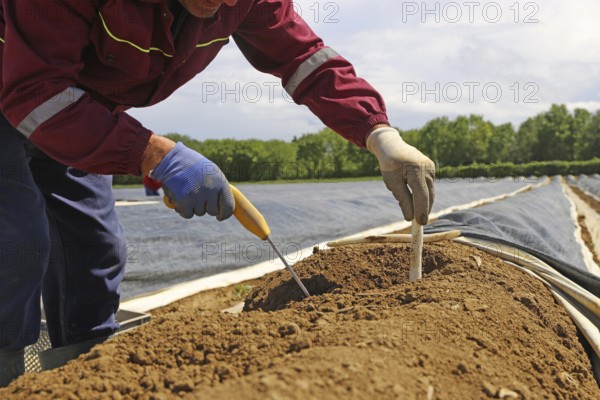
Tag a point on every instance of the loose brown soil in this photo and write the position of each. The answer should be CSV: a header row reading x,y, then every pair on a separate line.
x,y
581,220
587,238
472,328
592,202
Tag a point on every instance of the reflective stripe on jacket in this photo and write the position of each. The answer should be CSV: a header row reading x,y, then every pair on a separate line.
x,y
70,69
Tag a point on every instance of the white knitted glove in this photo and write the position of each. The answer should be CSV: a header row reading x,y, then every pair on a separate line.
x,y
404,167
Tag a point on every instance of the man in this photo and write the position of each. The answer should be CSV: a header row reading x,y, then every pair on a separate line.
x,y
70,69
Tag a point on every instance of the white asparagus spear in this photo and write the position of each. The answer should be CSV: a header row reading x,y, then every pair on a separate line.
x,y
416,255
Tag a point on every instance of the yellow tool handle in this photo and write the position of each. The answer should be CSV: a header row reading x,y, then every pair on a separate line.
x,y
245,212
248,215
168,202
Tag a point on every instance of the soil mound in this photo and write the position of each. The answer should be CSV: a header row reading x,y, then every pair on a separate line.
x,y
473,328
348,270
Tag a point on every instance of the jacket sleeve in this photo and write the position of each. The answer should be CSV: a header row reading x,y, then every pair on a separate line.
x,y
275,39
43,43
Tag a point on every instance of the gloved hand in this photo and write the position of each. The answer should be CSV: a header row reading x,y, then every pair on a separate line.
x,y
404,167
194,184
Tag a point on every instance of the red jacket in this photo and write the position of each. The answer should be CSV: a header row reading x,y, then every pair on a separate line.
x,y
70,69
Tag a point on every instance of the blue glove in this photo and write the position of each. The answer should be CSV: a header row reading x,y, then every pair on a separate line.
x,y
194,184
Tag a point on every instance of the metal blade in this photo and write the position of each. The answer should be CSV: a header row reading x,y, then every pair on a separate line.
x,y
298,281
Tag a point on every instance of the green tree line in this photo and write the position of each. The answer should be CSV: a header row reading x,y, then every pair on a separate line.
x,y
555,140
554,135
321,155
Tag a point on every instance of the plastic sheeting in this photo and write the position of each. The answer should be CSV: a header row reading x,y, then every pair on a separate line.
x,y
164,249
539,222
589,184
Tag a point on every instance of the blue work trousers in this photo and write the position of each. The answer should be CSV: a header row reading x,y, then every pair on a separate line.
x,y
59,238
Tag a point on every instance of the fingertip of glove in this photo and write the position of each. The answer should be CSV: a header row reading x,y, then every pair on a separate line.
x,y
226,212
407,214
223,217
423,219
200,211
186,216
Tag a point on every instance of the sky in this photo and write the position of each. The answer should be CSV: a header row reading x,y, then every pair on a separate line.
x,y
504,60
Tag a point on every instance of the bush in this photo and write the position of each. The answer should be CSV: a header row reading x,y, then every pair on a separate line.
x,y
536,168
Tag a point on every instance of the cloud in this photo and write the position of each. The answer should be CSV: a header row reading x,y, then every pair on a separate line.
x,y
425,61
